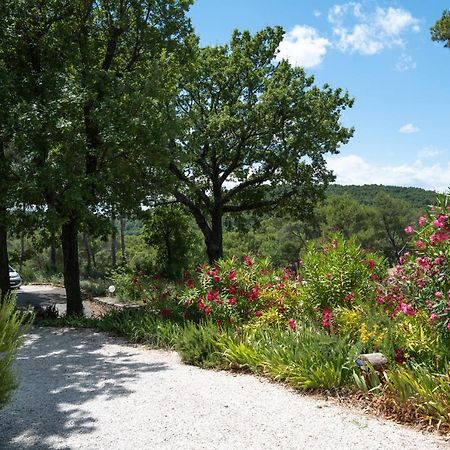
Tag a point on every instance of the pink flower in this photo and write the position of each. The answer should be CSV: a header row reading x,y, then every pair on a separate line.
x,y
420,245
292,324
200,303
433,239
409,229
407,309
422,221
349,297
433,317
439,295
326,316
207,310
248,261
448,325
437,224
232,301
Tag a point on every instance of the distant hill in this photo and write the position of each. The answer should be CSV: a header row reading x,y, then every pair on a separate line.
x,y
417,197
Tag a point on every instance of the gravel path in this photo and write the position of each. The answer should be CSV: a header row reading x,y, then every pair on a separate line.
x,y
85,390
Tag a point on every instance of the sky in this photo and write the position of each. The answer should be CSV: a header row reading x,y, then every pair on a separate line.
x,y
382,54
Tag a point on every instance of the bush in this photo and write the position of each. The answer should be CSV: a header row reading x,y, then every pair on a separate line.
x,y
198,344
13,323
234,292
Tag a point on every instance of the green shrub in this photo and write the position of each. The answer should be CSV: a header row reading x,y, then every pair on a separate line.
x,y
13,324
198,344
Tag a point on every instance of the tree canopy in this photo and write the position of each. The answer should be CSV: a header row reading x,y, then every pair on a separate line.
x,y
441,30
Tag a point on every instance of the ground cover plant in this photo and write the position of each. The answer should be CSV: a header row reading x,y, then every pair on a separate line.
x,y
13,324
307,327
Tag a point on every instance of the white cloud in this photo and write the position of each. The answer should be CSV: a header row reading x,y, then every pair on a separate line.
x,y
405,62
353,169
369,33
429,152
303,46
408,129
317,13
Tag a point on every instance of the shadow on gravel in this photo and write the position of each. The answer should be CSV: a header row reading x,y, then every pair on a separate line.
x,y
59,371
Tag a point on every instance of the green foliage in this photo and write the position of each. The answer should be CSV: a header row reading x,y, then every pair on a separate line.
x,y
13,324
417,198
306,359
198,345
441,30
169,230
338,273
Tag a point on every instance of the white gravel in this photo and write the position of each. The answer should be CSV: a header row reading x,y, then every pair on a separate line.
x,y
85,390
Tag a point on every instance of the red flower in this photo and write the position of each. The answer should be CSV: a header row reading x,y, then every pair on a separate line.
x,y
350,297
232,301
216,278
212,295
232,275
292,324
258,313
370,263
190,284
248,261
232,289
165,313
399,357
207,310
200,303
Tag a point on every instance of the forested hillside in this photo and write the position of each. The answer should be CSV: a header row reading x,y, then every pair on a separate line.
x,y
417,197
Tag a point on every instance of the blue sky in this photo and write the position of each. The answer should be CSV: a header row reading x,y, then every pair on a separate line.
x,y
381,52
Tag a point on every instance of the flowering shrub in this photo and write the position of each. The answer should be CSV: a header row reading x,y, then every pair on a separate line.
x,y
237,291
156,294
337,273
421,281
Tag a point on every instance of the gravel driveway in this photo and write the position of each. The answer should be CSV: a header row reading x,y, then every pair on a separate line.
x,y
85,390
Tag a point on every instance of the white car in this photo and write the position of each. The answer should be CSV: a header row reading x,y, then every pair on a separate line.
x,y
15,279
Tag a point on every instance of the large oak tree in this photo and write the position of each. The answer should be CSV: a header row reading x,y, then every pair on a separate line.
x,y
253,133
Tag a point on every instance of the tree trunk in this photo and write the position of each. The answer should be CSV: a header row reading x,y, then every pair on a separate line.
x,y
53,252
214,241
69,241
4,266
113,240
122,239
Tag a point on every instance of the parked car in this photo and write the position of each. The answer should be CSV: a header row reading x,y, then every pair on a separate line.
x,y
15,279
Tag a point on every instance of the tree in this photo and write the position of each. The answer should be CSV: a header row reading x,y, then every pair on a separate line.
x,y
441,30
169,230
252,134
343,214
90,75
393,216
